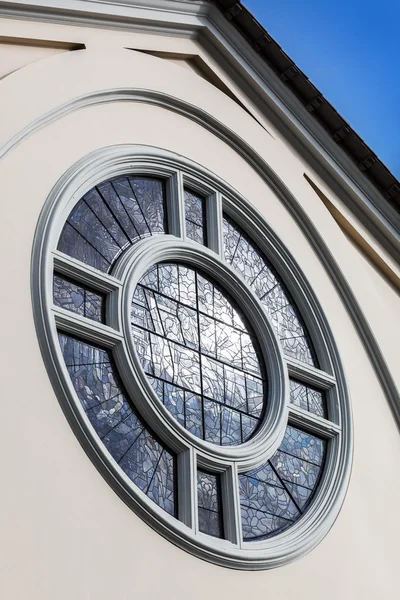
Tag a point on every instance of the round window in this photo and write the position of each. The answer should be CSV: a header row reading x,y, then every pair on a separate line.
x,y
198,354
211,404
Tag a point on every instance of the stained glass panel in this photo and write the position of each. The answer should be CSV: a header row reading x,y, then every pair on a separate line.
x,y
275,495
146,461
209,503
246,258
308,398
78,299
195,214
191,339
111,217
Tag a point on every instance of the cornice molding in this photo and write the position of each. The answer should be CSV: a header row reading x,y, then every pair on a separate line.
x,y
303,131
201,20
386,267
154,16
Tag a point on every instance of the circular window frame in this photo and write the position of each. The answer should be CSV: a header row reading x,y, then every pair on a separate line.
x,y
309,530
134,264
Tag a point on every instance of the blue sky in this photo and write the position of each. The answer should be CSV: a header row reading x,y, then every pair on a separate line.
x,y
350,49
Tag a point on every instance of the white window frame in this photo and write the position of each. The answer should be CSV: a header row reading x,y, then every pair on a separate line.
x,y
232,552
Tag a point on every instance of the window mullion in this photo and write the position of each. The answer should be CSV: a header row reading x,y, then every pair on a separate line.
x,y
231,505
214,223
309,375
92,331
176,206
187,488
312,423
84,274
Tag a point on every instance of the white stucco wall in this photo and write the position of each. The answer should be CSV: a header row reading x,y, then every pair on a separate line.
x,y
65,533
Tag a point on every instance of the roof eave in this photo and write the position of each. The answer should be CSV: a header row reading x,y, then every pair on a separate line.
x,y
242,52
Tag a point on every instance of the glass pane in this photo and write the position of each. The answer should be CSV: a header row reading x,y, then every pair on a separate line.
x,y
78,299
111,217
195,217
308,398
147,462
191,338
275,495
245,257
209,503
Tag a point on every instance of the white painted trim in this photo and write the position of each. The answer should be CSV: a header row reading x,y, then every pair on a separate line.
x,y
178,18
70,267
313,423
316,522
310,374
76,325
202,21
296,123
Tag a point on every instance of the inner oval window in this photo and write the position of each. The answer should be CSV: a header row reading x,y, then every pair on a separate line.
x,y
198,354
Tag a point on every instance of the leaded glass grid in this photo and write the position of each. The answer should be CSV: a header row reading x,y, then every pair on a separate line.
x,y
78,298
195,217
209,504
274,495
245,257
111,217
306,397
201,357
147,462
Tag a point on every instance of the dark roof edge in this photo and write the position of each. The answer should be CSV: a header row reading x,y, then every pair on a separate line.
x,y
314,101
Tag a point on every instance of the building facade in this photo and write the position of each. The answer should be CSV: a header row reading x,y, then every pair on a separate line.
x,y
200,314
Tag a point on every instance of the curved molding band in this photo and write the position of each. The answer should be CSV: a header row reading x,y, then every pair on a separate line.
x,y
227,135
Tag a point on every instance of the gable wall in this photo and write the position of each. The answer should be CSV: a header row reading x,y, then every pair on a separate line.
x,y
65,533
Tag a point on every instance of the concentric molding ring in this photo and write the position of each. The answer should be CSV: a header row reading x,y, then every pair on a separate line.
x,y
134,263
